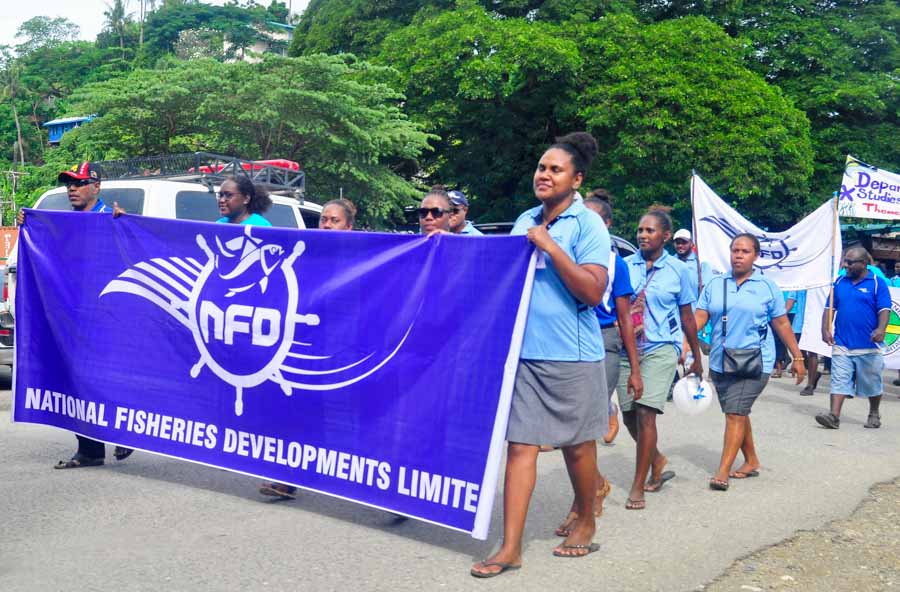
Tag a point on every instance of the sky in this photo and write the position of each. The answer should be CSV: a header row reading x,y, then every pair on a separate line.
x,y
87,14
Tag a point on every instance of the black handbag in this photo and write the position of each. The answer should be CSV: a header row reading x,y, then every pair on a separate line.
x,y
738,362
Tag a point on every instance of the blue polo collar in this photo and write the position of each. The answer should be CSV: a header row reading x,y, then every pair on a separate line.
x,y
573,210
659,263
756,276
99,206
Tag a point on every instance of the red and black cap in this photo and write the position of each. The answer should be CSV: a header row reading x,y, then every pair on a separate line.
x,y
80,172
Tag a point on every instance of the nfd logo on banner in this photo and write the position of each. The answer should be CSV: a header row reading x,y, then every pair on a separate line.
x,y
773,252
242,343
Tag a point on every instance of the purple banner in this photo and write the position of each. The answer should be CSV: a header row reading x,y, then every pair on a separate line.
x,y
373,367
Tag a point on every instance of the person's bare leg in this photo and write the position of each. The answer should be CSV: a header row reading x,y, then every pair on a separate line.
x,y
748,448
734,438
564,528
812,366
521,473
874,405
646,450
581,463
837,402
658,464
629,418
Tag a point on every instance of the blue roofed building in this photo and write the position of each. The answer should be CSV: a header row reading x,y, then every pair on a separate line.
x,y
58,127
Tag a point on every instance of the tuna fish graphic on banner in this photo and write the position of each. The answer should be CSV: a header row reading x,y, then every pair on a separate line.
x,y
869,192
797,259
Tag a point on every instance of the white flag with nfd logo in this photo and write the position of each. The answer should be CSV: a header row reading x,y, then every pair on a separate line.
x,y
869,192
797,259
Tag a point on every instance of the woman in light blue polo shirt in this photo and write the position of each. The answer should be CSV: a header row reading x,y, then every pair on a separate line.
x,y
242,202
560,382
753,303
661,308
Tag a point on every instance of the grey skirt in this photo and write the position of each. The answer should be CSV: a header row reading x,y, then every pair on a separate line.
x,y
737,395
558,403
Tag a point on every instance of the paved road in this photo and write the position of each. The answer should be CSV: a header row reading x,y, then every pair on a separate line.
x,y
153,523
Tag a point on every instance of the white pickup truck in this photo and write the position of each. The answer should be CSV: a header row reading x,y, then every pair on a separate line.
x,y
161,198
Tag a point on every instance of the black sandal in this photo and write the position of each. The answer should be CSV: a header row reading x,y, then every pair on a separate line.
x,y
121,453
78,461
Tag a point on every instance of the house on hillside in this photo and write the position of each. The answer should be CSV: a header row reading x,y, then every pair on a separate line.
x,y
58,127
273,38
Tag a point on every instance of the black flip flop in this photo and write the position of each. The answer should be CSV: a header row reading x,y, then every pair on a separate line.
x,y
279,490
504,567
78,461
717,485
666,476
744,475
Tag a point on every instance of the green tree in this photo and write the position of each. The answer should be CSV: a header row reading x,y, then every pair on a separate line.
x,y
242,26
359,26
491,88
43,31
11,91
837,61
328,113
662,99
117,20
674,96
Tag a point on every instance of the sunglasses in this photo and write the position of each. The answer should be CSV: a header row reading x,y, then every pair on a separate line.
x,y
79,182
227,194
852,261
435,212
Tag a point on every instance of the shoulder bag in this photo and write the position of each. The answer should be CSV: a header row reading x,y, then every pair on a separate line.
x,y
738,362
637,308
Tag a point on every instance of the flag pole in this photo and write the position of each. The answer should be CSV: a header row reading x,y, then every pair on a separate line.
x,y
694,236
834,231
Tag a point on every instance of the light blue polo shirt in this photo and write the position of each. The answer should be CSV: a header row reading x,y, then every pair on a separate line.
x,y
857,307
251,220
751,308
470,230
559,327
799,310
670,288
706,274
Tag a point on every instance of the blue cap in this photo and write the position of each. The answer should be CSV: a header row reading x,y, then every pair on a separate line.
x,y
457,198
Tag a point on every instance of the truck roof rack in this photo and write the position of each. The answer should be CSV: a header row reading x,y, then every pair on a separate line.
x,y
282,177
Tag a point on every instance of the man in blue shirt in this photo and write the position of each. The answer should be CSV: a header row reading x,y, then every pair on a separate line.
x,y
700,274
862,303
459,207
82,183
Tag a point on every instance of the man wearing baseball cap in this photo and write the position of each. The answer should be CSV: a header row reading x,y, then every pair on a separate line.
x,y
459,207
684,248
82,183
